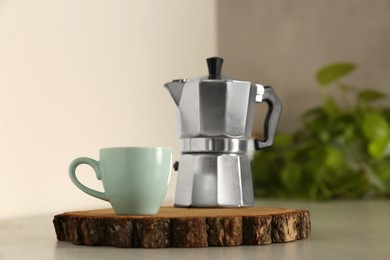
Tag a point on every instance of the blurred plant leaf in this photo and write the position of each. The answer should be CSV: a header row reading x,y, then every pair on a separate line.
x,y
334,157
282,139
375,126
383,173
333,72
331,106
291,177
378,148
367,95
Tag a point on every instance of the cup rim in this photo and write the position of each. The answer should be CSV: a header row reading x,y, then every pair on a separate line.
x,y
136,148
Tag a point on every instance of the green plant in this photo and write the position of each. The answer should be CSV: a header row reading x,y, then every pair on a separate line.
x,y
342,149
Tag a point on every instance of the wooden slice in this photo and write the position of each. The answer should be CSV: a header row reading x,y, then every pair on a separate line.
x,y
184,227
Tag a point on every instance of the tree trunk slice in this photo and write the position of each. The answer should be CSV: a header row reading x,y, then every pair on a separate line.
x,y
184,227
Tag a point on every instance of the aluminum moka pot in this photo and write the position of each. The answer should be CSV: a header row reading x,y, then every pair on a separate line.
x,y
215,118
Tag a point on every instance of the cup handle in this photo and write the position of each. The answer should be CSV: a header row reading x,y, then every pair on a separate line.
x,y
95,166
268,95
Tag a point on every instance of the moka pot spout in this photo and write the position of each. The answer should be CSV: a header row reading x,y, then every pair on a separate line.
x,y
175,89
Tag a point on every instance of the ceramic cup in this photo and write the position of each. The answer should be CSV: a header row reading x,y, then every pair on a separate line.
x,y
135,179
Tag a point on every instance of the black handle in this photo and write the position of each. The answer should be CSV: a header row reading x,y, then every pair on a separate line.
x,y
272,118
175,166
215,66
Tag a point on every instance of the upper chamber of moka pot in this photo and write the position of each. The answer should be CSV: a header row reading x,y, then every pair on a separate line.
x,y
214,106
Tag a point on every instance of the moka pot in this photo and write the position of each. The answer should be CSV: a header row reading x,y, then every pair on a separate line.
x,y
215,119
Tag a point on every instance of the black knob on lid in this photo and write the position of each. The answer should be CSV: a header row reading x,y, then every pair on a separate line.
x,y
215,67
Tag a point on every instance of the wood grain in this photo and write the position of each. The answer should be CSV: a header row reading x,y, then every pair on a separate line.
x,y
184,227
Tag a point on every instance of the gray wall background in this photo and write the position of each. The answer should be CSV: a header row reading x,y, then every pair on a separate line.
x,y
283,43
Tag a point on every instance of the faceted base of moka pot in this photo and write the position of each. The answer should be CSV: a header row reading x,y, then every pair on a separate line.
x,y
214,180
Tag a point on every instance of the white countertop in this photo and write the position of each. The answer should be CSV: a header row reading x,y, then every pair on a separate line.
x,y
340,230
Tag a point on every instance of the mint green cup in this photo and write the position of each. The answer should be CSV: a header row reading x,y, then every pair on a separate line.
x,y
135,179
